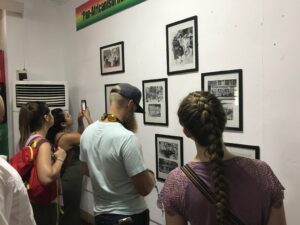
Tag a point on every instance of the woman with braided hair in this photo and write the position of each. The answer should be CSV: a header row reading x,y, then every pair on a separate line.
x,y
244,191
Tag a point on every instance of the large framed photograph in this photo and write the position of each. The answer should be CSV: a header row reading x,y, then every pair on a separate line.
x,y
182,46
169,154
155,99
107,89
112,58
227,86
248,151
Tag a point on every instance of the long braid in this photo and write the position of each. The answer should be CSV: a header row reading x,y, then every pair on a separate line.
x,y
202,115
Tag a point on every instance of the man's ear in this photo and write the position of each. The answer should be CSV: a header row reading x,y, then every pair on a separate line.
x,y
187,133
130,104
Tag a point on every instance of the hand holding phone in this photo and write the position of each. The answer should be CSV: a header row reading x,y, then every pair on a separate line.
x,y
83,105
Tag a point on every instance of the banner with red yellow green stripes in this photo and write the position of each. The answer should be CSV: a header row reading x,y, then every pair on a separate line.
x,y
95,10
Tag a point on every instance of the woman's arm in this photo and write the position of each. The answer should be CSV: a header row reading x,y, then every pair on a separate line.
x,y
86,114
277,216
175,220
48,171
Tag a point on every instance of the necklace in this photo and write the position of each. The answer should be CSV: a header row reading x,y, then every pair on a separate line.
x,y
110,117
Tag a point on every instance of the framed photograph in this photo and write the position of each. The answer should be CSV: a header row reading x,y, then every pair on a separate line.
x,y
182,46
155,99
169,154
112,58
107,90
227,86
248,151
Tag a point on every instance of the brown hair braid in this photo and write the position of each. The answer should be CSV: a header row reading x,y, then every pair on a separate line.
x,y
202,114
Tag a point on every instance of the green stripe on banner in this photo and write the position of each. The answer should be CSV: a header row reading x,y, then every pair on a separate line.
x,y
106,13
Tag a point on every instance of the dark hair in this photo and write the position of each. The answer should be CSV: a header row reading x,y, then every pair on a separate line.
x,y
59,117
202,114
31,119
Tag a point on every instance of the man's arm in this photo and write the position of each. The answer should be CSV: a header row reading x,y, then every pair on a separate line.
x,y
144,182
84,169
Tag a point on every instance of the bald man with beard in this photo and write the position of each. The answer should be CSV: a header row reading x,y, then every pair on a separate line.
x,y
15,208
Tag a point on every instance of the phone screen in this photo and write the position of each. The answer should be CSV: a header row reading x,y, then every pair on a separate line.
x,y
83,105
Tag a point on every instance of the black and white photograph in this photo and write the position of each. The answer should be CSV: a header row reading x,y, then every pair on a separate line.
x,y
169,154
247,151
107,89
112,58
155,99
182,46
227,87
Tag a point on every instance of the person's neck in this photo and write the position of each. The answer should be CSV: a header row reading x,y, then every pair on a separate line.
x,y
117,113
203,156
66,130
42,132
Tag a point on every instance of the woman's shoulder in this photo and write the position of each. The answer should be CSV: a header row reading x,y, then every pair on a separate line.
x,y
259,171
252,165
176,177
67,138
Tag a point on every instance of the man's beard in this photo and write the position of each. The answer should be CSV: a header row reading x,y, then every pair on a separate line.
x,y
130,123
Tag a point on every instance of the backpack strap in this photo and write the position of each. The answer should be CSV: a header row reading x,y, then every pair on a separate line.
x,y
37,142
31,137
210,196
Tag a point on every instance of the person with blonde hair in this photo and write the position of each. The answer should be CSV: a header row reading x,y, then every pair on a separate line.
x,y
235,190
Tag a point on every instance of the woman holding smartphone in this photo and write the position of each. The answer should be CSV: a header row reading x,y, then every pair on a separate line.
x,y
60,134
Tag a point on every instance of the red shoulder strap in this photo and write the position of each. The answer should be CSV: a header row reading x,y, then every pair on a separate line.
x,y
37,142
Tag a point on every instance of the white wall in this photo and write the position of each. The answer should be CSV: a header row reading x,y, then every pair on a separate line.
x,y
33,40
260,37
280,59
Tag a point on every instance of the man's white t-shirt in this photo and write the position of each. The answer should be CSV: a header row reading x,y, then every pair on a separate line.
x,y
113,155
15,207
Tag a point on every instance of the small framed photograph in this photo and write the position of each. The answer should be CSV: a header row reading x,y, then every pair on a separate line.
x,y
112,58
227,86
107,90
182,46
169,154
247,151
155,99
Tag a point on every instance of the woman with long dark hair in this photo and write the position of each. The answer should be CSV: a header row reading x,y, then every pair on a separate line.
x,y
35,119
61,134
245,191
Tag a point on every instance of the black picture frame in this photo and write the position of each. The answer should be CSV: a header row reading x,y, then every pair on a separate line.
x,y
169,154
112,58
107,89
155,101
248,151
227,86
182,46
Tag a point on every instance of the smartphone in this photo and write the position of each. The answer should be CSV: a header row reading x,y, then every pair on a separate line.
x,y
83,105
